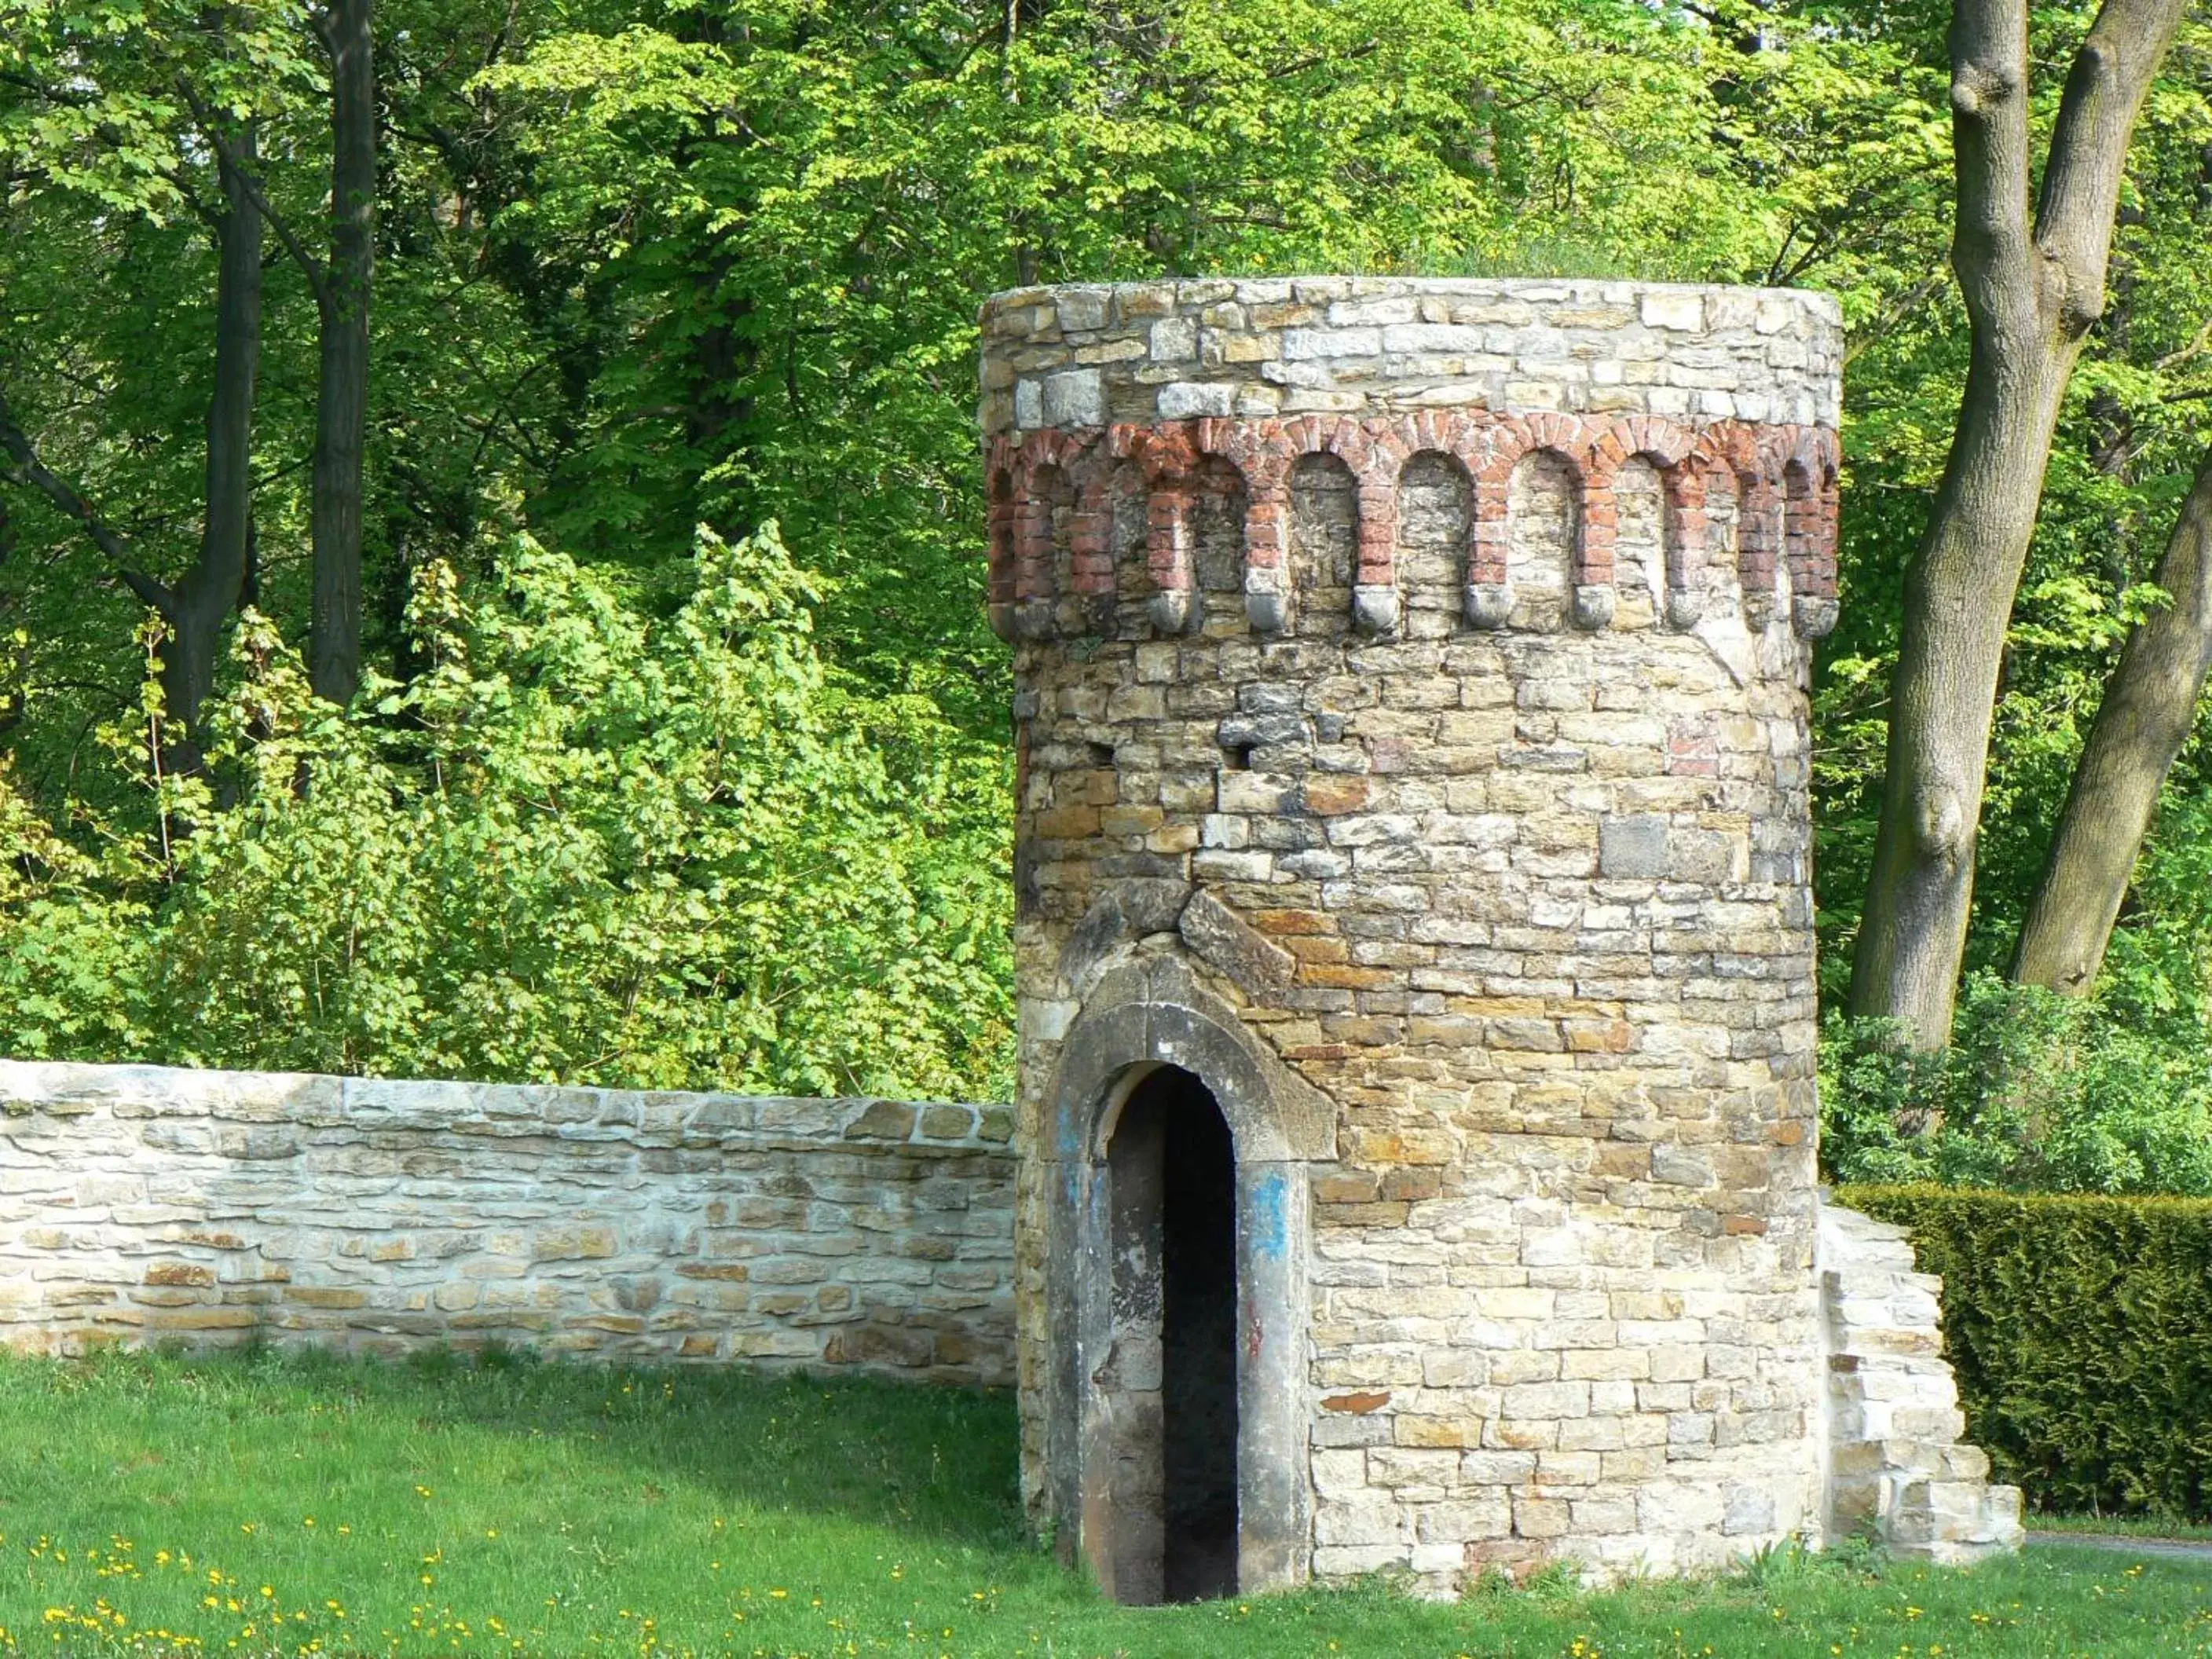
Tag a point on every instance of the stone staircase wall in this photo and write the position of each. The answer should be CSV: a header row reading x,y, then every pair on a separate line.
x,y
1897,1466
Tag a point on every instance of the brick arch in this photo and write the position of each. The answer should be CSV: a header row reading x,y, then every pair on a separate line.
x,y
1758,482
1454,433
1371,451
1511,440
1668,449
1514,439
1000,506
1782,522
1091,535
1354,443
1436,440
1044,463
1173,456
1043,577
1259,452
1809,502
1217,481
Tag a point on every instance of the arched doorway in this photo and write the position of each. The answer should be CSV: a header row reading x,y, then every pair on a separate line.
x,y
1171,1380
1149,1033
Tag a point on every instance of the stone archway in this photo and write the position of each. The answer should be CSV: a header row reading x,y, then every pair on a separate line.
x,y
1152,1040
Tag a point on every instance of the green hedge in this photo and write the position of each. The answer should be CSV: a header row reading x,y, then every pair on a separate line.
x,y
2081,1328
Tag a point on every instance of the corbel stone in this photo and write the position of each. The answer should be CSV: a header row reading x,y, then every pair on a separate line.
x,y
1593,605
1488,605
1814,617
1375,608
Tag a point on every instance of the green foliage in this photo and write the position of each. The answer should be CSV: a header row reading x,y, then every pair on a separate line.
x,y
644,264
2081,1331
583,844
2037,1092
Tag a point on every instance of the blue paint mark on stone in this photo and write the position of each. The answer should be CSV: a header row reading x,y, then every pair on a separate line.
x,y
1270,1219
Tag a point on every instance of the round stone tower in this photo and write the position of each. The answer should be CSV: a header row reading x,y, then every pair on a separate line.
x,y
1414,929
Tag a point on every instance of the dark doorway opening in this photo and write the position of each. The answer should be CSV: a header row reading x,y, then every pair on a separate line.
x,y
1174,1178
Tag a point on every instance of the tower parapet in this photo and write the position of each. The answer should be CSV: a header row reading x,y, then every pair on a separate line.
x,y
1123,421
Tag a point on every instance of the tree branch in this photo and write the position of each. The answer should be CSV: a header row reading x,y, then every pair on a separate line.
x,y
227,153
30,472
1989,142
2196,344
159,596
70,98
2105,92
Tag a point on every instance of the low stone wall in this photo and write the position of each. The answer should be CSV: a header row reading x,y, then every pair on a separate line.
x,y
139,1204
1896,1465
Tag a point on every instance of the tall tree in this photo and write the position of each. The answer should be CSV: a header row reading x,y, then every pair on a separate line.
x,y
2148,709
342,296
343,284
198,605
2033,284
121,138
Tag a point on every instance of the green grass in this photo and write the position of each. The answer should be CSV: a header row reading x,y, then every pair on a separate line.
x,y
454,1508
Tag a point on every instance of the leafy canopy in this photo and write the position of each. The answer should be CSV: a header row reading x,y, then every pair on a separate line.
x,y
584,844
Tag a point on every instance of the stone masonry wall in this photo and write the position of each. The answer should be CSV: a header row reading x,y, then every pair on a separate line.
x,y
1473,780
140,1204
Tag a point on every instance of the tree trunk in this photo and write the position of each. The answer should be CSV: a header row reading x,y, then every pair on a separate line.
x,y
2149,707
212,588
2032,291
1958,601
341,400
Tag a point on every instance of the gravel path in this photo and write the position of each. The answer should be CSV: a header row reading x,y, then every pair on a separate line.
x,y
2184,1549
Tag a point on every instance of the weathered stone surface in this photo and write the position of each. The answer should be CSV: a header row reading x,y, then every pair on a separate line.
x,y
1632,847
1493,806
145,1205
1896,1467
1171,350
1214,931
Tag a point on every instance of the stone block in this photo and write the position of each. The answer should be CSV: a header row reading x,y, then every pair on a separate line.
x,y
882,1119
1186,399
1541,1517
1220,937
1074,397
1632,847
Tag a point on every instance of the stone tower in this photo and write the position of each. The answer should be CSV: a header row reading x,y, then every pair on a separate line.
x,y
1415,928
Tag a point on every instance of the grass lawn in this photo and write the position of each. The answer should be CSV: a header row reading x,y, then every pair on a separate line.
x,y
265,1504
